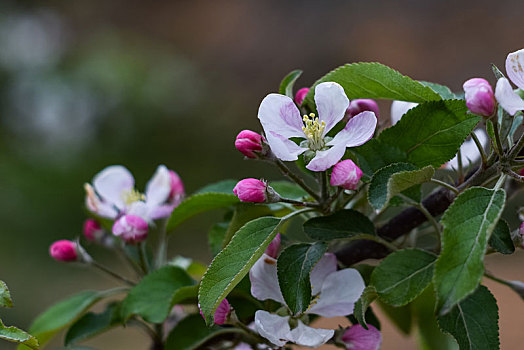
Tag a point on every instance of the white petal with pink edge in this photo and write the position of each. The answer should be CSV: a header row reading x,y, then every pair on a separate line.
x,y
112,183
507,98
357,131
515,67
332,102
264,280
278,113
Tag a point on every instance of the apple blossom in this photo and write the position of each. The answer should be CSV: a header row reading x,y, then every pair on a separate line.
x,y
301,95
281,121
346,174
479,97
359,338
113,195
64,250
248,142
335,294
131,228
506,97
360,105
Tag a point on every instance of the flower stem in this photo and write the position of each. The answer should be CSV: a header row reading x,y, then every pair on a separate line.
x,y
446,185
142,256
427,214
161,252
499,149
481,150
111,273
299,181
300,203
460,167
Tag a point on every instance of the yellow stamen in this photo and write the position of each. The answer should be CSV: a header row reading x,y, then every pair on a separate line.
x,y
313,130
132,196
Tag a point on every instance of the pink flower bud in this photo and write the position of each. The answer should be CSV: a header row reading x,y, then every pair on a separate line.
x,y
64,250
248,142
358,338
479,97
301,95
177,188
221,313
131,228
274,247
361,105
346,174
92,230
251,190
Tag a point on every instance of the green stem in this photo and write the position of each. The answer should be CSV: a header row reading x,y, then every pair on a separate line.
x,y
446,185
481,150
496,279
111,273
142,256
499,149
299,181
500,182
427,214
161,253
460,167
515,150
374,238
300,203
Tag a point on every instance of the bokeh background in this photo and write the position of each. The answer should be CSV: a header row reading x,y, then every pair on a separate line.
x,y
86,84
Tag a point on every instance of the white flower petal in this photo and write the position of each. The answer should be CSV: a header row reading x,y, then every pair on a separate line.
x,y
160,211
112,182
264,280
325,266
139,208
278,113
357,131
309,336
273,327
399,108
515,67
283,148
507,98
469,150
338,294
332,102
159,187
95,205
324,160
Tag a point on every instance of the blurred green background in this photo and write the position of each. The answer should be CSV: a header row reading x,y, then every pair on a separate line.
x,y
86,84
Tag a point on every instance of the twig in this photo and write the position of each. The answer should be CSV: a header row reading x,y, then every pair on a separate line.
x,y
446,185
481,150
287,172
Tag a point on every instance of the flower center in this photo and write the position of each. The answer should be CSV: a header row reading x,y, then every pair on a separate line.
x,y
313,130
131,196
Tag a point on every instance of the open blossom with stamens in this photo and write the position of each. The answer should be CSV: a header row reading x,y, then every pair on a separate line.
x,y
507,98
281,121
335,294
113,194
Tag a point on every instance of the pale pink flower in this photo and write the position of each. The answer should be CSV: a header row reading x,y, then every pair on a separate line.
x,y
281,121
507,98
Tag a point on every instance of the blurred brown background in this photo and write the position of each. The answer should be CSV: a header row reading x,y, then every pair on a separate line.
x,y
86,84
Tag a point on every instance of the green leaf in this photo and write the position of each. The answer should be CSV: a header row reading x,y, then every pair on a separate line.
x,y
491,130
403,275
442,90
431,133
62,314
294,266
197,204
395,179
286,85
15,335
289,190
229,267
92,324
191,333
216,236
224,186
375,154
374,80
496,71
474,321
244,212
468,224
5,296
500,239
368,296
152,298
186,295
342,224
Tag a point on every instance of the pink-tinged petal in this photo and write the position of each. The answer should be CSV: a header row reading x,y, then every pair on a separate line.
x,y
283,148
278,113
332,102
264,280
141,209
274,247
131,229
159,187
507,98
515,67
112,183
399,108
243,346
273,327
96,206
309,336
346,174
160,211
339,293
359,338
357,131
324,160
469,150
324,267
222,312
